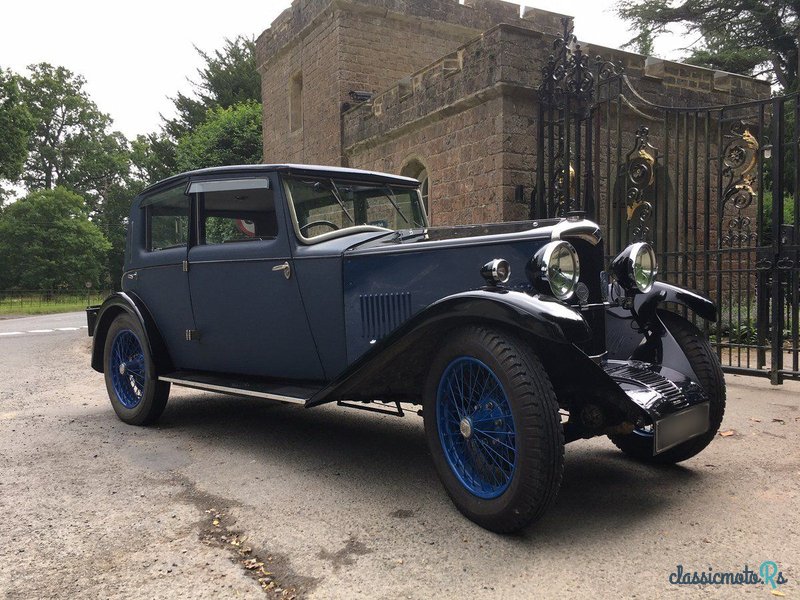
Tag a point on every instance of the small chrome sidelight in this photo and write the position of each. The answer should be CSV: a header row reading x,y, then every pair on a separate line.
x,y
496,271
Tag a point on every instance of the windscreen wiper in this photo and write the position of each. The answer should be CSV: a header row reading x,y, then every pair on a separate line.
x,y
394,203
335,191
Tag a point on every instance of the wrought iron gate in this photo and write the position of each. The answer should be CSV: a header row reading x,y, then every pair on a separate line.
x,y
716,190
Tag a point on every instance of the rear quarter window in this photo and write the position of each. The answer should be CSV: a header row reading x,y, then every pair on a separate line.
x,y
167,218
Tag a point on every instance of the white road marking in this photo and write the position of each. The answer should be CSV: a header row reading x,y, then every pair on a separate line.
x,y
40,331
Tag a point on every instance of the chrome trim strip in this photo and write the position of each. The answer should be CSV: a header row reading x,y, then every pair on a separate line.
x,y
229,390
227,185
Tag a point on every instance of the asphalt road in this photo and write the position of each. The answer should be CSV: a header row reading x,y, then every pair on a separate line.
x,y
341,504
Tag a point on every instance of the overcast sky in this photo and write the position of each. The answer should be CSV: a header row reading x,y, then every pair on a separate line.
x,y
135,55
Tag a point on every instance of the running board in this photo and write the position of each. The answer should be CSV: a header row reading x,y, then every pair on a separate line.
x,y
242,386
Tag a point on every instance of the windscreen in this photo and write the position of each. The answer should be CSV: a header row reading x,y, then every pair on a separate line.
x,y
323,205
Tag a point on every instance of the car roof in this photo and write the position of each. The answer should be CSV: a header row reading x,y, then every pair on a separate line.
x,y
286,167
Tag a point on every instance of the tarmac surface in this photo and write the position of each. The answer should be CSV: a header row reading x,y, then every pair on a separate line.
x,y
242,498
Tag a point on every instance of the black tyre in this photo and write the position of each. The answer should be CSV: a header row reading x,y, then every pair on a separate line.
x,y
493,428
136,394
705,364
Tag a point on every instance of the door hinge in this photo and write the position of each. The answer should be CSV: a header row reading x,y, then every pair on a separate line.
x,y
186,266
192,335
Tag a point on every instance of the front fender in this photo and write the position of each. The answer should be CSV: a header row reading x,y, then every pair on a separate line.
x,y
405,353
128,302
665,292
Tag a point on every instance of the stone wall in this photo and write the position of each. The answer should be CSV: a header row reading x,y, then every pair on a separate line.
x,y
309,50
455,91
462,117
358,45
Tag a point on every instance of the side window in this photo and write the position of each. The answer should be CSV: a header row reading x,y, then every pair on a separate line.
x,y
237,215
167,215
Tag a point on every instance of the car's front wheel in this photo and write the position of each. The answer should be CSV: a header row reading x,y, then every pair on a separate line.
x,y
493,428
703,360
136,394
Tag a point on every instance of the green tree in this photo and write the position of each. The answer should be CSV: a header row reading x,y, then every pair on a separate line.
x,y
15,127
47,242
72,144
228,136
113,222
750,37
153,157
227,78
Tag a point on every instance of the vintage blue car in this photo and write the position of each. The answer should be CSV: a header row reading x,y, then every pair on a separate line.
x,y
314,285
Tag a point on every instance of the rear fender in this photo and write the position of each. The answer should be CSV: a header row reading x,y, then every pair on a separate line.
x,y
398,363
127,302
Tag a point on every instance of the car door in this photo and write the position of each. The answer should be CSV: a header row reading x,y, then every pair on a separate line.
x,y
247,306
159,241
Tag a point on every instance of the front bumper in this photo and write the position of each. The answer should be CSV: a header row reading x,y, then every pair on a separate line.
x,y
673,408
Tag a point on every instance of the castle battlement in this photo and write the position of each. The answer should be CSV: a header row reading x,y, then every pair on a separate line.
x,y
472,17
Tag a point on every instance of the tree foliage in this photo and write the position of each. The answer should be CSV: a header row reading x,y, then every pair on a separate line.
x,y
228,136
750,37
228,77
72,145
113,222
153,157
47,242
81,175
15,127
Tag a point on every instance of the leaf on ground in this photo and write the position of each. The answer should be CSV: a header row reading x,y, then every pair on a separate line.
x,y
756,420
215,522
781,421
777,593
252,563
728,433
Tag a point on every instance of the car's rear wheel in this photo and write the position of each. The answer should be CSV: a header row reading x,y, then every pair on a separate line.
x,y
701,357
136,394
493,428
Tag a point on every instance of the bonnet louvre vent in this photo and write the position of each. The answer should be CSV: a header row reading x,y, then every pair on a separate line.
x,y
382,313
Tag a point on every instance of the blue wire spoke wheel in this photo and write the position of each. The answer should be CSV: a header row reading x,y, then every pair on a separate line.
x,y
493,428
128,369
476,427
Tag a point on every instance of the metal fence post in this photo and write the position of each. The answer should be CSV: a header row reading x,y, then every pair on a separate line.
x,y
776,339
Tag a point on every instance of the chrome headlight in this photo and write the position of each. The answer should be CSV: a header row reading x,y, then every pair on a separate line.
x,y
635,267
555,269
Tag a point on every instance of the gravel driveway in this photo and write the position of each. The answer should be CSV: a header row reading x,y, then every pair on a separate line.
x,y
241,498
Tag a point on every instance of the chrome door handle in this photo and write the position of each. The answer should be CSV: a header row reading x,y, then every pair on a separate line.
x,y
287,270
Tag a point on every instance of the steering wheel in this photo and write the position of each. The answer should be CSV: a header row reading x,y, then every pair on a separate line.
x,y
333,226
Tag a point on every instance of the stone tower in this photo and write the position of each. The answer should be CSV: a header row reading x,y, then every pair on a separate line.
x,y
319,51
436,89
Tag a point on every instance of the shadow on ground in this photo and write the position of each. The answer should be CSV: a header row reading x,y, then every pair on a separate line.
x,y
603,493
